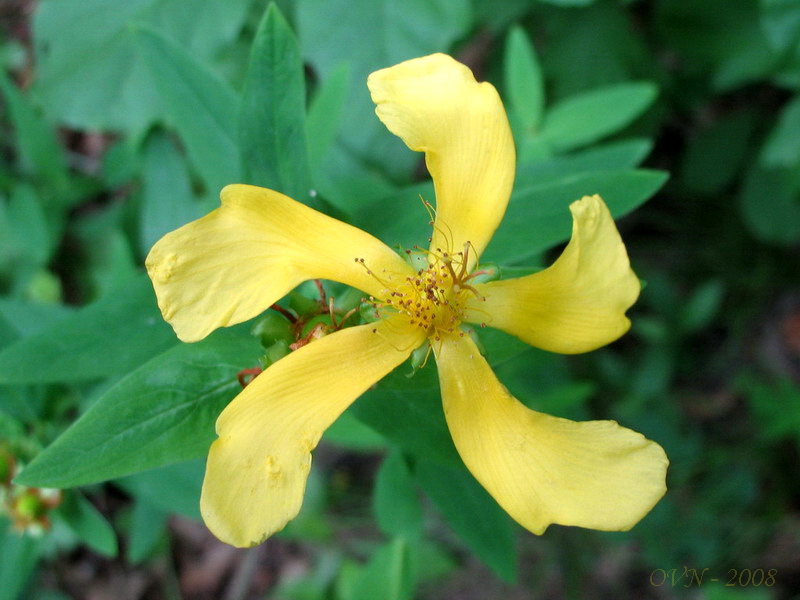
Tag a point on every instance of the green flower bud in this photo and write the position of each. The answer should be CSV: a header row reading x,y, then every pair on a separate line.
x,y
302,305
275,352
348,300
311,324
29,507
44,287
272,328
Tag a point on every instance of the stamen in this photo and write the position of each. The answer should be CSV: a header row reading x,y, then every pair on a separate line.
x,y
322,297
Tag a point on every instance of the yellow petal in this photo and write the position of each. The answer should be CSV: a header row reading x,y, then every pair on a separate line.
x,y
235,262
257,468
576,305
543,469
435,105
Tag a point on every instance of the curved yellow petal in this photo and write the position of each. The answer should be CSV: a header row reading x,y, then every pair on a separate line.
x,y
576,305
543,469
257,468
435,105
235,262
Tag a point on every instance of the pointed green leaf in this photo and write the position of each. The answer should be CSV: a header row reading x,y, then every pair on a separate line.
x,y
87,523
590,116
88,72
199,104
148,525
715,155
162,413
538,216
369,35
473,514
173,488
395,498
109,337
524,80
325,115
782,148
412,419
39,150
20,554
26,318
272,129
770,204
624,154
388,574
167,198
568,2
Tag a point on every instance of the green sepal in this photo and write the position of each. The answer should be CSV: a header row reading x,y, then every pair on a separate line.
x,y
272,328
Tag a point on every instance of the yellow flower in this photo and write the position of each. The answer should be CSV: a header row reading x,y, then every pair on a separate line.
x,y
232,264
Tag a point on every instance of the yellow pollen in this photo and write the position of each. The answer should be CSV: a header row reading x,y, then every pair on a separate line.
x,y
432,300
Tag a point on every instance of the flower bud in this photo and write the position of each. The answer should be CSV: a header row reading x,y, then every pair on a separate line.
x,y
321,325
29,507
272,328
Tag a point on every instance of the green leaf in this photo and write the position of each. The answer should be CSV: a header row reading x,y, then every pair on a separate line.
x,y
26,318
325,114
701,307
395,499
498,346
25,242
775,404
110,260
387,32
29,226
388,575
715,155
198,103
148,524
163,412
20,554
782,147
88,72
39,150
87,523
594,46
568,2
538,216
723,37
173,488
109,337
167,198
607,157
8,333
474,515
780,20
399,219
590,116
351,433
524,81
412,419
272,128
587,172
770,204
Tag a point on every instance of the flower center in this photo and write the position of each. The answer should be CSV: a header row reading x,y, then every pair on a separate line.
x,y
432,300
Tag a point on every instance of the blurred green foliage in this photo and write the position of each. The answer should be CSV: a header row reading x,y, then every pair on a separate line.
x,y
121,122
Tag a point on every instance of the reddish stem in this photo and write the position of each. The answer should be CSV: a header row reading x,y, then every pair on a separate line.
x,y
254,371
285,313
